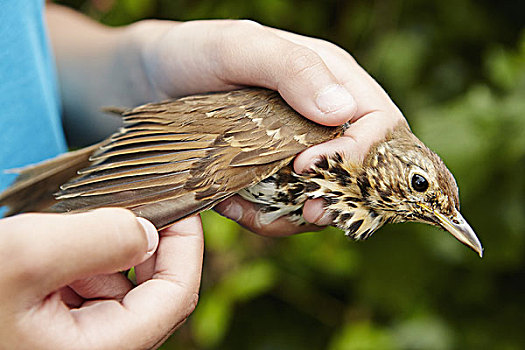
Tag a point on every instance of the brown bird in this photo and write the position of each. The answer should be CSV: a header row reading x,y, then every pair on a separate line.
x,y
180,157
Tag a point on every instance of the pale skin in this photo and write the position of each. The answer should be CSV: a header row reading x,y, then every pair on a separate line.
x,y
57,295
51,300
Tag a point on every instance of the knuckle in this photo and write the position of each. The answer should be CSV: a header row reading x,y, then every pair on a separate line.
x,y
245,25
89,286
393,115
328,46
231,37
303,61
249,222
192,305
398,116
235,31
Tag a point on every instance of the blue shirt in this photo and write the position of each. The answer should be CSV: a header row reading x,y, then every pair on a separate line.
x,y
30,125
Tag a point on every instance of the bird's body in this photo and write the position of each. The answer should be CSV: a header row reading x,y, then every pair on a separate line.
x,y
361,197
176,158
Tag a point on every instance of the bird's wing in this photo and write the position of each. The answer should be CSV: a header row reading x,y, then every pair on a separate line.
x,y
177,158
34,188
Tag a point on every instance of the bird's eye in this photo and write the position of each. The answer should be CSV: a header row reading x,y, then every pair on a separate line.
x,y
419,183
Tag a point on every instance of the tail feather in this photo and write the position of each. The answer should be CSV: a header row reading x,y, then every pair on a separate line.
x,y
35,185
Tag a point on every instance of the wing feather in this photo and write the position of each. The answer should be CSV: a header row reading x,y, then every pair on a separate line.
x,y
176,158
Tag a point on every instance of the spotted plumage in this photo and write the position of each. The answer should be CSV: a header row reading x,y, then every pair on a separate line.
x,y
362,198
176,158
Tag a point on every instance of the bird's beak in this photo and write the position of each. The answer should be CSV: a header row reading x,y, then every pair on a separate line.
x,y
460,229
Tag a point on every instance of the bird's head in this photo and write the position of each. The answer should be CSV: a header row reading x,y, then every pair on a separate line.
x,y
399,180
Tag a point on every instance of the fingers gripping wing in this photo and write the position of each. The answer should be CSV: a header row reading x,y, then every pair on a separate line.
x,y
176,158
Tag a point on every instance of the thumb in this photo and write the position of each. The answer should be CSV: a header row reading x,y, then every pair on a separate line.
x,y
52,250
353,145
356,142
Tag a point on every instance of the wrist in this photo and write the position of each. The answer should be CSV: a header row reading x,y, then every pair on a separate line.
x,y
135,59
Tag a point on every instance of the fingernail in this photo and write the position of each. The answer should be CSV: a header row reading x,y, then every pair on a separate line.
x,y
308,167
325,219
233,211
334,98
152,235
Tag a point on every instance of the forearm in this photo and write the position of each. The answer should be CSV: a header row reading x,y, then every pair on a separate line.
x,y
97,66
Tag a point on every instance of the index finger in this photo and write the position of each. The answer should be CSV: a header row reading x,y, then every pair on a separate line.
x,y
172,292
376,113
155,308
369,95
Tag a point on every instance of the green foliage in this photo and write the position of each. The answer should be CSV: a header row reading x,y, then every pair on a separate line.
x,y
457,70
211,320
363,336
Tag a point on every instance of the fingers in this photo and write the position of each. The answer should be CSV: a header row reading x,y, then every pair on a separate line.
x,y
313,211
369,94
318,79
152,310
354,144
179,256
228,54
376,114
157,306
70,298
248,215
297,72
113,286
47,251
108,286
145,271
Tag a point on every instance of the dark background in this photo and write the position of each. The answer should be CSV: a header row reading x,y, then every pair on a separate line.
x,y
457,70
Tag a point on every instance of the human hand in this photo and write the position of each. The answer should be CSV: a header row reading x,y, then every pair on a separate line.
x,y
318,79
60,287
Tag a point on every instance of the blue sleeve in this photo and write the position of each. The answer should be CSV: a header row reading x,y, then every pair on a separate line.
x,y
30,125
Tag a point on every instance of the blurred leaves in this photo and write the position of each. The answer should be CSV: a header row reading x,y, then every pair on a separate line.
x,y
423,332
457,70
211,320
363,336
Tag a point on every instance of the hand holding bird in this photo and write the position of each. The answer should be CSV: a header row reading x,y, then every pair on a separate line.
x,y
155,60
177,158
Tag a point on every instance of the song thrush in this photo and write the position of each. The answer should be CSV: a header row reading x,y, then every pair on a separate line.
x,y
176,158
